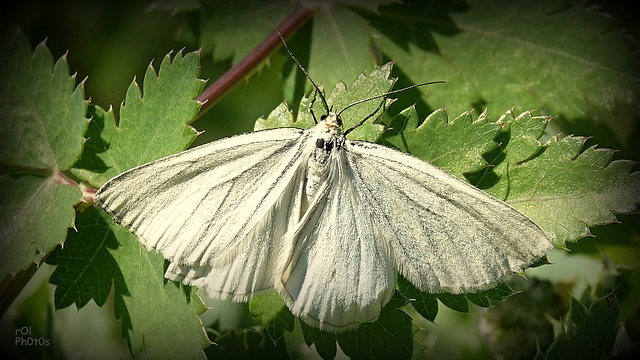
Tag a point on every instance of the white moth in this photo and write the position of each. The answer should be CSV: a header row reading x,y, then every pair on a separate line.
x,y
325,221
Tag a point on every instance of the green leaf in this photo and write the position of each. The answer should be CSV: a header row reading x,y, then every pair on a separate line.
x,y
424,303
518,141
247,344
499,293
42,110
34,214
274,314
282,117
390,337
85,268
457,302
565,191
41,132
589,333
91,165
232,29
324,342
519,137
150,127
455,146
534,49
159,317
487,297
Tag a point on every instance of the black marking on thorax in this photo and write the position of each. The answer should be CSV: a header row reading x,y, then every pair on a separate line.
x,y
325,145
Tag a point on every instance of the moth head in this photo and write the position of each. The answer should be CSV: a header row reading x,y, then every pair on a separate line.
x,y
332,120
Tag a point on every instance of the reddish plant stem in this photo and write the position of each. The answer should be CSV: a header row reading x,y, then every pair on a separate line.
x,y
210,95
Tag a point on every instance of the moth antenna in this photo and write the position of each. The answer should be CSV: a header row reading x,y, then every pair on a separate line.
x,y
364,120
324,101
388,93
381,103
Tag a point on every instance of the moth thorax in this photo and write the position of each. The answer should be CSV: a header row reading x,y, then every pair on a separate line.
x,y
317,171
